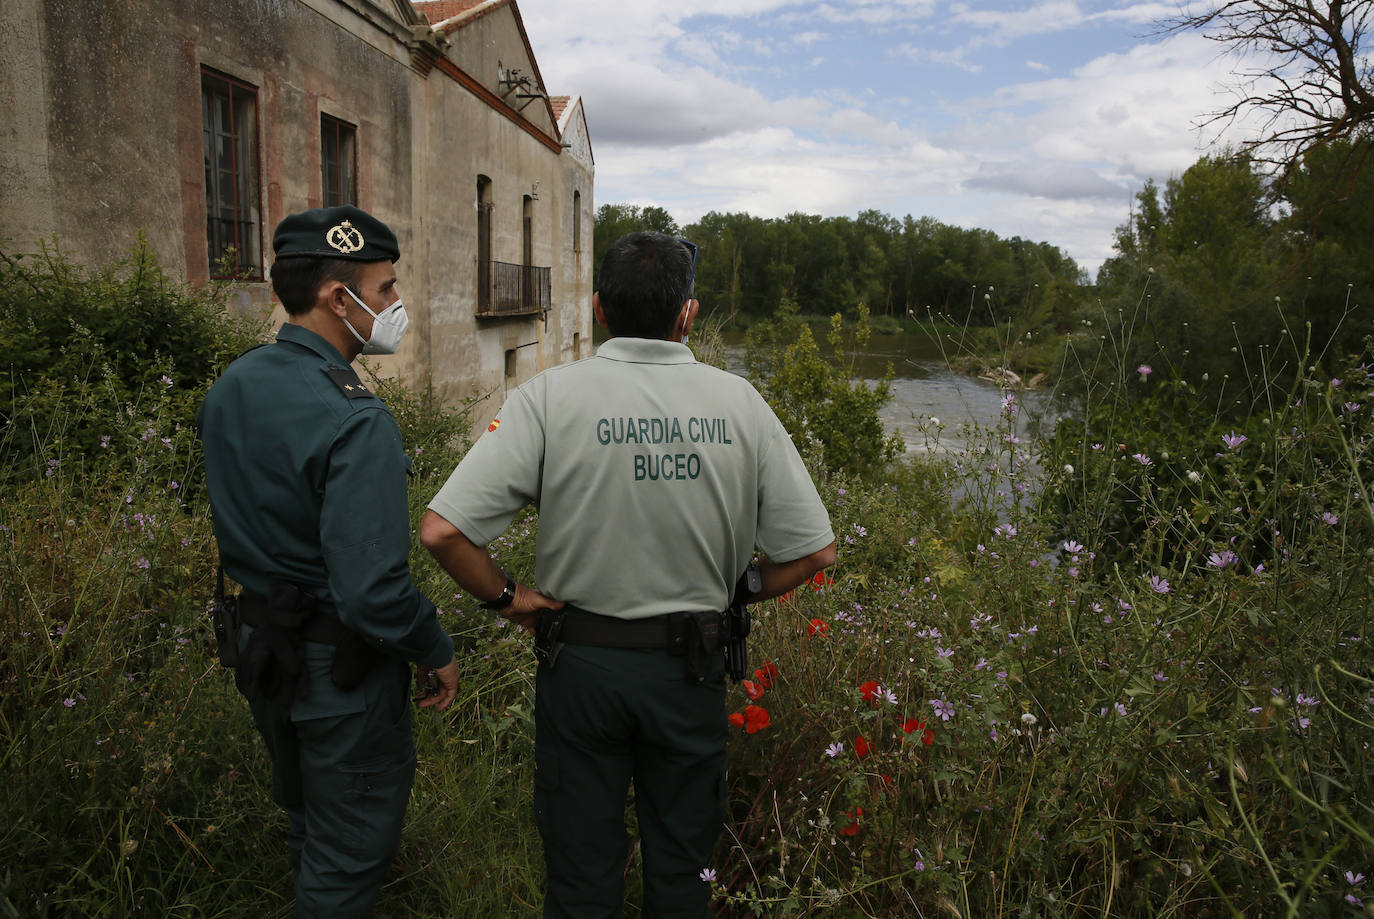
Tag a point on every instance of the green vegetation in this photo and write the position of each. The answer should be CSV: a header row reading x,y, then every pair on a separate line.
x,y
1126,672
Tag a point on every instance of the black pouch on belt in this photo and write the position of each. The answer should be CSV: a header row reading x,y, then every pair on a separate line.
x,y
272,666
695,636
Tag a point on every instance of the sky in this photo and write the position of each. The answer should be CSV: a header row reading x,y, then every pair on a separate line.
x,y
1040,119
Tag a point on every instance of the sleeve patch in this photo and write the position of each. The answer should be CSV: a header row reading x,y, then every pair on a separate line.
x,y
495,423
348,382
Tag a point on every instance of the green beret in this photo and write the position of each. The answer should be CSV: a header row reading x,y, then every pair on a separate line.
x,y
335,232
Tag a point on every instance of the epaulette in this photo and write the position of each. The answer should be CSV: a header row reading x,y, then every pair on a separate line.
x,y
348,382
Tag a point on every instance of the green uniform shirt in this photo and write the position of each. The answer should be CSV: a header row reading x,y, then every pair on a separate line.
x,y
307,482
655,477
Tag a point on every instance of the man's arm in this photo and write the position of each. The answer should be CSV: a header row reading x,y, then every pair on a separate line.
x,y
779,578
477,572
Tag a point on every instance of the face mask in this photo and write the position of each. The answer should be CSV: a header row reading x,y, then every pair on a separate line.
x,y
388,327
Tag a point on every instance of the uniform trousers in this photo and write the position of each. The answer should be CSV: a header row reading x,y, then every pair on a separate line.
x,y
342,767
607,717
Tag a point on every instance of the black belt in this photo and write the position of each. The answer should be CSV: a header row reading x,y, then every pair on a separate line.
x,y
322,627
669,631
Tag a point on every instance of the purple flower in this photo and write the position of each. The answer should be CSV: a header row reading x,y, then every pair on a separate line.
x,y
1005,530
943,652
165,380
69,702
1144,370
1233,440
707,875
1350,407
1142,459
860,530
1158,584
943,708
1353,879
143,563
1223,559
1072,547
104,440
1330,519
834,750
1354,901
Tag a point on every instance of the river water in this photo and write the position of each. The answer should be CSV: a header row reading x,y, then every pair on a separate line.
x,y
924,388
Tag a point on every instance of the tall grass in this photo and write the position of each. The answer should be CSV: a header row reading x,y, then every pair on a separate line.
x,y
1044,679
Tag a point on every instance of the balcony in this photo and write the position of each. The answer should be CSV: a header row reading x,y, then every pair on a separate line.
x,y
504,290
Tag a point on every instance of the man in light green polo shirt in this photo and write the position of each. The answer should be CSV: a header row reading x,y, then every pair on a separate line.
x,y
656,478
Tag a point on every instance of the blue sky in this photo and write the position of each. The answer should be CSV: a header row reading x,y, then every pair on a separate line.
x,y
1032,119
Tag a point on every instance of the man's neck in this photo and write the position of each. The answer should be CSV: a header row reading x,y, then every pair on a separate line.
x,y
331,328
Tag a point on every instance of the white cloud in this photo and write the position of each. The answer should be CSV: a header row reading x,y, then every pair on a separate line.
x,y
1036,65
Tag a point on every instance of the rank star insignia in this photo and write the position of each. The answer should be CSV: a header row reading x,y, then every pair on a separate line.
x,y
345,237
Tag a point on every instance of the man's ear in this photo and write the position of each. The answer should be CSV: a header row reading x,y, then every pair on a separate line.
x,y
690,315
598,312
334,298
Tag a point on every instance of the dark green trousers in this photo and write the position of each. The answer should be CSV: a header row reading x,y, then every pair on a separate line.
x,y
605,718
342,767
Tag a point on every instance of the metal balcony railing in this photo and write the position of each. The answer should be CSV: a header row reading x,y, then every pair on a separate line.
x,y
504,289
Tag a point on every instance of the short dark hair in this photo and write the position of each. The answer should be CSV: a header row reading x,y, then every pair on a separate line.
x,y
643,284
297,280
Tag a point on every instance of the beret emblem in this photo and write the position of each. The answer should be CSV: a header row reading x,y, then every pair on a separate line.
x,y
345,237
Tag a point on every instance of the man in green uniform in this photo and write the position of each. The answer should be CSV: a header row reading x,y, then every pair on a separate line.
x,y
656,477
307,483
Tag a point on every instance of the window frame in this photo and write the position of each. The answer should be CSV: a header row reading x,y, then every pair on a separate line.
x,y
245,154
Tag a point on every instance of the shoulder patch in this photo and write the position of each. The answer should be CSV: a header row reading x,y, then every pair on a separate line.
x,y
348,382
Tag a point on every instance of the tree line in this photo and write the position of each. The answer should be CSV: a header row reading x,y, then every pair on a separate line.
x,y
747,265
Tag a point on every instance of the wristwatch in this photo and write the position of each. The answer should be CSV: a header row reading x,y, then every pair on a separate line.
x,y
506,599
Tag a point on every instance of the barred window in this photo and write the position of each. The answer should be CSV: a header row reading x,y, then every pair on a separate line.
x,y
338,161
232,211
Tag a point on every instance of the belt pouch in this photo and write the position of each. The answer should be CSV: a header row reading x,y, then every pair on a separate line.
x,y
272,666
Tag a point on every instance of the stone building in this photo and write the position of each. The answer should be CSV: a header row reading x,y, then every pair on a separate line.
x,y
202,124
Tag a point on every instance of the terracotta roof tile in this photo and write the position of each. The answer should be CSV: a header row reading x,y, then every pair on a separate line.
x,y
437,11
559,103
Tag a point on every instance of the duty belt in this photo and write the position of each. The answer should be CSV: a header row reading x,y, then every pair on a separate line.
x,y
694,636
320,626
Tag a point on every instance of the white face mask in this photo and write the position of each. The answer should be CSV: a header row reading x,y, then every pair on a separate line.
x,y
388,327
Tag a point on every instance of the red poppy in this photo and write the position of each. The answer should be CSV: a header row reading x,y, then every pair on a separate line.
x,y
928,737
737,719
766,674
852,828
887,780
755,718
912,725
751,689
787,597
818,627
869,690
861,747
819,581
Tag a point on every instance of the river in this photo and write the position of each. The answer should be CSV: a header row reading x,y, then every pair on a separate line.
x,y
923,388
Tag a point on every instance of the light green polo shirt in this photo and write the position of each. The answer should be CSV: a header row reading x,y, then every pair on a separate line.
x,y
655,477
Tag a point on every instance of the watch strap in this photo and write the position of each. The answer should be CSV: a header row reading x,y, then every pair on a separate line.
x,y
506,598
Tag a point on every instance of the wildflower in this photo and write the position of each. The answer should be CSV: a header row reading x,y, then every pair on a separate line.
x,y
1330,519
1072,547
165,380
888,695
1233,440
1068,468
707,875
817,627
1028,719
834,750
1073,571
943,708
1353,879
869,690
766,674
1336,382
1005,530
1120,709
1142,459
1194,477
1144,370
819,581
755,718
1158,584
737,719
143,563
104,440
943,652
1354,901
861,747
982,664
852,828
1160,677
1350,407
860,530
751,689
1098,448
69,702
1223,559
